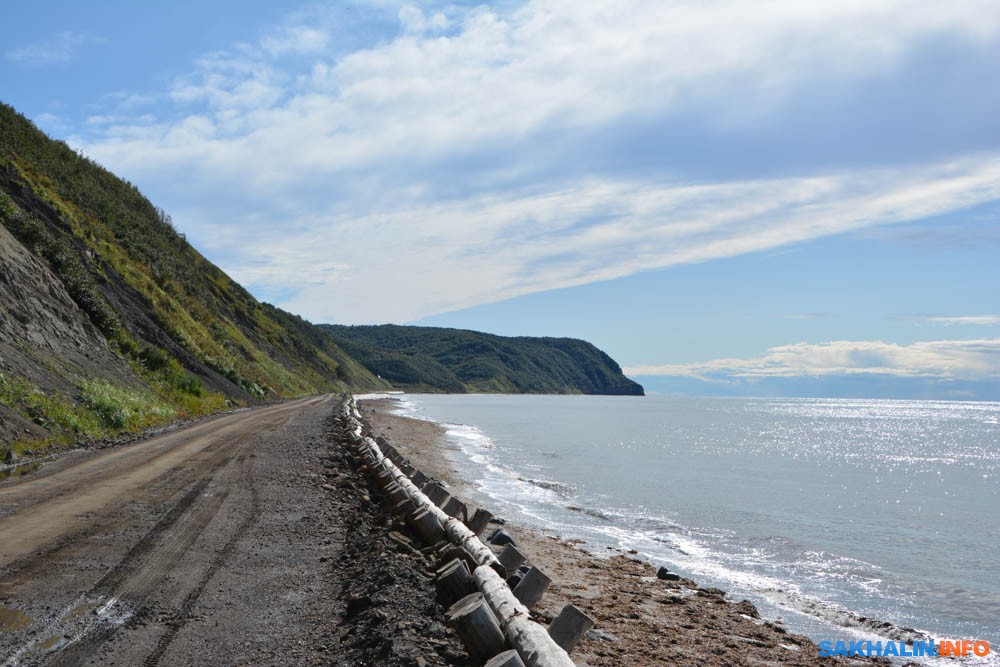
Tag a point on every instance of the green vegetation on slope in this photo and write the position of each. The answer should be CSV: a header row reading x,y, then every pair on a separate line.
x,y
455,360
193,339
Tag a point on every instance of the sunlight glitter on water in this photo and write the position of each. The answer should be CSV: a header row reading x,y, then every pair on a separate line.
x,y
823,511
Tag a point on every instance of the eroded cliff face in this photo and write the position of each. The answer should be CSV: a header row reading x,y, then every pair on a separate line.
x,y
44,336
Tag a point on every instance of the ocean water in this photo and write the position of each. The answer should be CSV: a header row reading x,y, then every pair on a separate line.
x,y
834,515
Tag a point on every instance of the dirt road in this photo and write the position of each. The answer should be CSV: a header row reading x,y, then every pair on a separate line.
x,y
132,536
207,545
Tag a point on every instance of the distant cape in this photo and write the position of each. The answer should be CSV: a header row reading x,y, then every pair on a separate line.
x,y
459,361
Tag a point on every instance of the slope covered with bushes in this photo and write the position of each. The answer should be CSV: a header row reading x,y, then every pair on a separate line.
x,y
456,360
106,306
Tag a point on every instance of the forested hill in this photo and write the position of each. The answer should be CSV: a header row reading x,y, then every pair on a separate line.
x,y
110,321
455,360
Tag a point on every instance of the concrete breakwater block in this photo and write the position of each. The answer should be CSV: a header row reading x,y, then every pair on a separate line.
x,y
569,627
479,520
455,580
477,626
436,493
461,553
532,587
427,526
511,558
501,537
455,508
506,659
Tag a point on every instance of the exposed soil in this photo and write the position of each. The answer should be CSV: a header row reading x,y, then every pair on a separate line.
x,y
44,336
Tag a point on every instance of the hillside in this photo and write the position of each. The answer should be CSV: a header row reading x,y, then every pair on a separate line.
x,y
455,360
110,321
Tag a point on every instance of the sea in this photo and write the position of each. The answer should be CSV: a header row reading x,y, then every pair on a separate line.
x,y
843,519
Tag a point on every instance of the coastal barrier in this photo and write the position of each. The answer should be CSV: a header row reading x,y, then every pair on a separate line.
x,y
493,621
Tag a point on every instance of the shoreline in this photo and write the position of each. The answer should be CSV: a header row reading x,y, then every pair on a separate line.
x,y
641,620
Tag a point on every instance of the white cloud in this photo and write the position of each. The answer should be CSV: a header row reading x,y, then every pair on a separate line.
x,y
421,174
296,39
982,320
61,48
402,263
942,359
414,20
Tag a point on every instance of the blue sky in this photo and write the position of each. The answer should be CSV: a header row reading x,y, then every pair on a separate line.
x,y
729,197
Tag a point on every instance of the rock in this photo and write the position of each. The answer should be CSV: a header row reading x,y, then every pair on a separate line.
x,y
435,629
712,592
601,635
397,536
11,457
747,608
356,605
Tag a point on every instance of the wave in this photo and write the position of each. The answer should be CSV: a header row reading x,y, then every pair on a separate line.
x,y
566,490
597,514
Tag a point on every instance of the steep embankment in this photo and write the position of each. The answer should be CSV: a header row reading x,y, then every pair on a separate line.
x,y
111,321
455,360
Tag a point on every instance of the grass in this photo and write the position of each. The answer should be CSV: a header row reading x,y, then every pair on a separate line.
x,y
124,409
102,410
52,411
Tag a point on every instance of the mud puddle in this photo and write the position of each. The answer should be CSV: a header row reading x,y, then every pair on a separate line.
x,y
20,470
11,620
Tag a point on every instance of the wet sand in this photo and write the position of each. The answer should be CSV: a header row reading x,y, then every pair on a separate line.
x,y
641,620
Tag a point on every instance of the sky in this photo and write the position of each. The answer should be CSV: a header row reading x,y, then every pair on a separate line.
x,y
738,198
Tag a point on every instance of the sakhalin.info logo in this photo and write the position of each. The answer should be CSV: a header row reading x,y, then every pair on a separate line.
x,y
944,647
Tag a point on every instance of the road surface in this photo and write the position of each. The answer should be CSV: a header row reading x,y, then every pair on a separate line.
x,y
215,532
